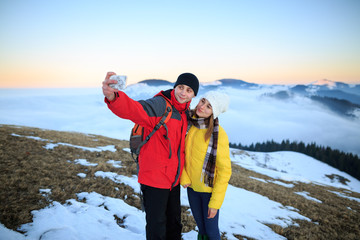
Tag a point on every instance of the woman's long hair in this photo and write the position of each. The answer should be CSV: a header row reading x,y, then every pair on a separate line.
x,y
209,122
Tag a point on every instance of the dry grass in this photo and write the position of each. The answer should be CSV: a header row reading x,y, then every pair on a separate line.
x,y
26,166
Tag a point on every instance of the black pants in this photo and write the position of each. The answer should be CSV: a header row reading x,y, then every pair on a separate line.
x,y
163,213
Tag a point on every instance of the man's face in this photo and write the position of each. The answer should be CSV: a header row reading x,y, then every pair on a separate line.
x,y
183,93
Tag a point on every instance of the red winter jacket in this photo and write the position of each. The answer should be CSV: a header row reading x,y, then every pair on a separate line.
x,y
155,167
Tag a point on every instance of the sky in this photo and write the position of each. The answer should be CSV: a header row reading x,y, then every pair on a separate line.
x,y
74,43
91,215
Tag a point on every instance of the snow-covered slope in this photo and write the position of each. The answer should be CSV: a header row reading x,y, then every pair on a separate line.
x,y
92,215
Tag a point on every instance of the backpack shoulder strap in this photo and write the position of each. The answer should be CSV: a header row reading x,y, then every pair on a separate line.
x,y
167,114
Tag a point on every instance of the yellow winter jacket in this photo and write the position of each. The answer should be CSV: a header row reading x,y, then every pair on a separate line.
x,y
195,151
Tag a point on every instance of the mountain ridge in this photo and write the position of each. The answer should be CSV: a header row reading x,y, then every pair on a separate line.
x,y
341,98
324,83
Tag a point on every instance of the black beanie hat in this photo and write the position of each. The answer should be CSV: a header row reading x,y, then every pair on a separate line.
x,y
190,80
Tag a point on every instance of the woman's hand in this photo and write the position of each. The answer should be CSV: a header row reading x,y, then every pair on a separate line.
x,y
212,212
187,185
107,90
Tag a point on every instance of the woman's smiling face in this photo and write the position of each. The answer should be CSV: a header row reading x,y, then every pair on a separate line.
x,y
204,108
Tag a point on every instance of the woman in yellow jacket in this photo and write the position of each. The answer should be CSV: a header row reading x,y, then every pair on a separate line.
x,y
207,167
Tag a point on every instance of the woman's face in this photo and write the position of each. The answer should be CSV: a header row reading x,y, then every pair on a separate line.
x,y
183,93
204,108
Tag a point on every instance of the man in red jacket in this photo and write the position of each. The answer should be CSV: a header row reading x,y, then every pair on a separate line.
x,y
161,159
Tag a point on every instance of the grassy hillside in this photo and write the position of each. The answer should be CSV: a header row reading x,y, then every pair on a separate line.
x,y
26,166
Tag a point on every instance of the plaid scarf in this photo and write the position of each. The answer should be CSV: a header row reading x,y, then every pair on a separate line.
x,y
207,174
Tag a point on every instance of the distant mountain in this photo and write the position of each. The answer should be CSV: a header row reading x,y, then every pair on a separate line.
x,y
340,92
326,85
340,106
325,82
156,82
342,98
229,82
235,83
353,98
280,95
300,89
